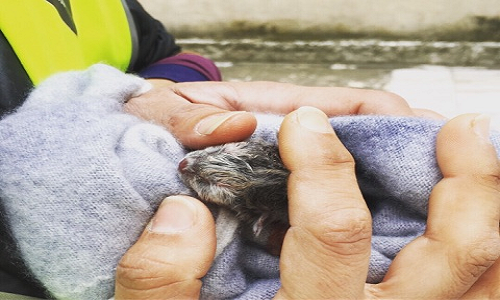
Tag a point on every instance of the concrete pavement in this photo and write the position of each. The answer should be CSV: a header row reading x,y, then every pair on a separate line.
x,y
450,90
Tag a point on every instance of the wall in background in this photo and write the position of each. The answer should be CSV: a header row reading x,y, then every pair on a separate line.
x,y
422,19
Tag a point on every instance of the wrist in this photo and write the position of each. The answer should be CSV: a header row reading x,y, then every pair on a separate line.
x,y
160,82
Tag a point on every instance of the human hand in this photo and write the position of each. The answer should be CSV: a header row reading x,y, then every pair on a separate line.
x,y
201,114
326,251
174,252
195,125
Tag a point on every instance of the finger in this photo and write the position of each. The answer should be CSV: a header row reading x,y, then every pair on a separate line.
x,y
428,114
195,125
171,256
326,250
461,240
487,286
350,101
283,98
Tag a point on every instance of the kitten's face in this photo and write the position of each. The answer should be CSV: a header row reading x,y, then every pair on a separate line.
x,y
217,174
239,176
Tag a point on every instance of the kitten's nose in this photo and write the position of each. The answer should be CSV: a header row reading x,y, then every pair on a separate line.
x,y
183,165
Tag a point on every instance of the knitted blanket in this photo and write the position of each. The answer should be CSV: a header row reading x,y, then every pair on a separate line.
x,y
80,179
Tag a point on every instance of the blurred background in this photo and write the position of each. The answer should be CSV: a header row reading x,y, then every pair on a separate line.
x,y
442,55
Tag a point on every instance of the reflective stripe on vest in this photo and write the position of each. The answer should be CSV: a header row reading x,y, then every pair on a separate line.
x,y
46,44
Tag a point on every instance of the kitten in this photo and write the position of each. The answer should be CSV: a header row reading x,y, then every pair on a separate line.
x,y
247,178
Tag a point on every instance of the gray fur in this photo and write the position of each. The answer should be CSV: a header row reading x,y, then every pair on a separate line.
x,y
246,177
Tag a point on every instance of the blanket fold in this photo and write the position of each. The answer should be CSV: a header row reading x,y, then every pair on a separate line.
x,y
80,179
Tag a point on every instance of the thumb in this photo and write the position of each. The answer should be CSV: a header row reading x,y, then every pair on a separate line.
x,y
175,251
196,125
326,250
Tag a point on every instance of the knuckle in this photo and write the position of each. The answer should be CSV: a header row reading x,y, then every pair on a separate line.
x,y
128,271
342,159
474,257
148,280
144,273
345,232
341,163
175,118
490,181
391,99
396,99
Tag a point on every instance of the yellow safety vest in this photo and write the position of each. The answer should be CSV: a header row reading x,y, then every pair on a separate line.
x,y
46,44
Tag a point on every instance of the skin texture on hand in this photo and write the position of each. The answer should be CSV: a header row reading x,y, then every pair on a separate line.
x,y
196,125
462,240
326,251
202,114
172,255
330,222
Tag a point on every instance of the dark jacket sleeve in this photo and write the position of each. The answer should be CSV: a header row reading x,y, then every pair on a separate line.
x,y
155,42
158,53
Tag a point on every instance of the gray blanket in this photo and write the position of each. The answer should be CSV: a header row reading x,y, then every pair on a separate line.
x,y
80,179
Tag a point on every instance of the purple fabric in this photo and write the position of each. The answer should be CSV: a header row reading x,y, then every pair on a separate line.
x,y
177,73
183,68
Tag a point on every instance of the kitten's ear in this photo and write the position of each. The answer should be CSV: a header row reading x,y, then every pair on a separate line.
x,y
259,224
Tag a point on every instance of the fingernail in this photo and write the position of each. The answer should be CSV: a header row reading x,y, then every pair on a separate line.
x,y
211,123
481,126
174,215
313,119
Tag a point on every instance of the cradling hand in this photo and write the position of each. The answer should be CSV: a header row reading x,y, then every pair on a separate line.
x,y
326,251
202,114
